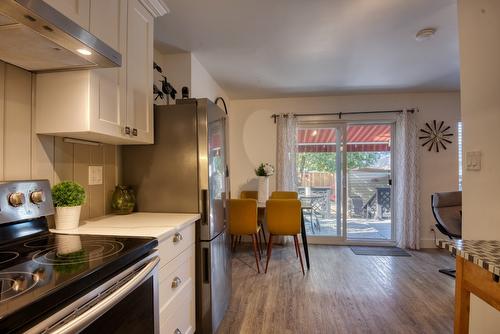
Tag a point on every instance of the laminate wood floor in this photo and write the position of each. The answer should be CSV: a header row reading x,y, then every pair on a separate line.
x,y
342,293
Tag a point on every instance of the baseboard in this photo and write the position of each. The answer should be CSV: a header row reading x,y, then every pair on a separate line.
x,y
427,243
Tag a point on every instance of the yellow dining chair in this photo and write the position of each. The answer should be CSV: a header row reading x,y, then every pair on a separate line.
x,y
284,195
243,221
283,218
255,195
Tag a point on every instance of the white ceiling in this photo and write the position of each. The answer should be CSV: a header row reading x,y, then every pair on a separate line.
x,y
274,48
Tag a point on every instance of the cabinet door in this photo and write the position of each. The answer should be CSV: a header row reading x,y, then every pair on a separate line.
x,y
140,71
76,10
108,22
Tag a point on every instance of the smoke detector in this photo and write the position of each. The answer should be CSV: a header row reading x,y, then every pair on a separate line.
x,y
425,34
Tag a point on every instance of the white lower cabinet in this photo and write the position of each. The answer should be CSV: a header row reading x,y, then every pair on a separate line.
x,y
177,283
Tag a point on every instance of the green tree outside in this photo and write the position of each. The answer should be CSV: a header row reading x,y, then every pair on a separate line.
x,y
326,161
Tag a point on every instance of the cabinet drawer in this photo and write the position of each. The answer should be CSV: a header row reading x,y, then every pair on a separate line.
x,y
176,274
178,316
175,244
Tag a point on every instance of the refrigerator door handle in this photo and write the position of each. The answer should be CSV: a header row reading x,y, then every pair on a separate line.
x,y
206,266
204,206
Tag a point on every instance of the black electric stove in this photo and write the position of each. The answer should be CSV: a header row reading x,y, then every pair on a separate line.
x,y
42,271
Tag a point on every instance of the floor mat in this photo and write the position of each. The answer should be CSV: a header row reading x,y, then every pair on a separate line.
x,y
379,251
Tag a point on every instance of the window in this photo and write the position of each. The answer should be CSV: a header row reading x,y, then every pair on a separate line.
x,y
459,139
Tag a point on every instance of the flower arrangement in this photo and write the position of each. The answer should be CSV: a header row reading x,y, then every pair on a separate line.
x,y
264,169
68,193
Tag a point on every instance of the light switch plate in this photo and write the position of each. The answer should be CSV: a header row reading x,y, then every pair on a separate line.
x,y
95,175
473,160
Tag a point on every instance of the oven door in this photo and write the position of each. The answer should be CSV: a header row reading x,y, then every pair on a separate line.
x,y
128,303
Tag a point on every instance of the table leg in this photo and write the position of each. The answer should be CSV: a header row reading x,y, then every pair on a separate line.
x,y
462,300
304,239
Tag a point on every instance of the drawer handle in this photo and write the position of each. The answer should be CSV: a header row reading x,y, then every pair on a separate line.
x,y
177,331
177,237
176,282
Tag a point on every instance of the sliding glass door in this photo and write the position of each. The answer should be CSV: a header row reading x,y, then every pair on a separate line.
x,y
344,181
319,172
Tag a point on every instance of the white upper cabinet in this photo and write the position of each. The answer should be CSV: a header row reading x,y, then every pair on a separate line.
x,y
112,105
77,10
108,21
140,71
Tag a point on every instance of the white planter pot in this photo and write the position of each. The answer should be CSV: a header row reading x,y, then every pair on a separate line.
x,y
263,189
67,217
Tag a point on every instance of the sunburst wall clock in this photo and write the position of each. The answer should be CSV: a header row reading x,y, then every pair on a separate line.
x,y
435,136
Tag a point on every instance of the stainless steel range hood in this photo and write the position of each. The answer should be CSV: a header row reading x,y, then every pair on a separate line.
x,y
38,38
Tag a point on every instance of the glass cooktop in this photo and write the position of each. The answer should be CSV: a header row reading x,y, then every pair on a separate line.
x,y
38,273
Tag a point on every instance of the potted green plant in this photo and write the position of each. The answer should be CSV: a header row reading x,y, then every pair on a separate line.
x,y
68,197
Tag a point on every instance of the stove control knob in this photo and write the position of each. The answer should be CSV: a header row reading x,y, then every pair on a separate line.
x,y
36,197
16,199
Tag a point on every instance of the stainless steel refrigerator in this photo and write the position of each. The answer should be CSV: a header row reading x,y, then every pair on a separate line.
x,y
185,170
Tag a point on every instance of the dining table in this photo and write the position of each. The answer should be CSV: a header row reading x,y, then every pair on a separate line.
x,y
262,208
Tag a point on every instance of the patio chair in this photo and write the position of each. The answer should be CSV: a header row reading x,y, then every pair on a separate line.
x,y
357,206
447,210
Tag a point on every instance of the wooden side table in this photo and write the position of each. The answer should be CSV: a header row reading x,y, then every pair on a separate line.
x,y
478,272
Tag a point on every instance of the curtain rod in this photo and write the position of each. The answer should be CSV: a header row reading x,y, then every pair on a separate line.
x,y
340,114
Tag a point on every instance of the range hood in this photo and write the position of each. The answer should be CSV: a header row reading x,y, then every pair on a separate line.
x,y
38,38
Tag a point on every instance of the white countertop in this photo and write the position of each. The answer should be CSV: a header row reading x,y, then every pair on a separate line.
x,y
139,224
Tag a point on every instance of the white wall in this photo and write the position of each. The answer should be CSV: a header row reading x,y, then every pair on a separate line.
x,y
202,83
177,69
480,94
183,69
253,137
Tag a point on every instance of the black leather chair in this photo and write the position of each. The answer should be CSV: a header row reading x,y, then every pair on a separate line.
x,y
447,210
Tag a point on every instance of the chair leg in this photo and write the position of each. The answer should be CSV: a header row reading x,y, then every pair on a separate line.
x,y
239,240
269,251
296,250
296,240
263,233
235,239
254,241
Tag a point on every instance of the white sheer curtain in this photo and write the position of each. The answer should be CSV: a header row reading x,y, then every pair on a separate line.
x,y
286,173
406,185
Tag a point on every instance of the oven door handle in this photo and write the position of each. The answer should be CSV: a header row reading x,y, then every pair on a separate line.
x,y
86,318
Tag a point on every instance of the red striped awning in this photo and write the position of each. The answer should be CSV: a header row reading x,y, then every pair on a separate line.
x,y
360,138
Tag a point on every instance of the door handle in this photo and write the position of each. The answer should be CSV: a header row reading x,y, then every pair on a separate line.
x,y
134,132
206,267
127,130
204,206
85,318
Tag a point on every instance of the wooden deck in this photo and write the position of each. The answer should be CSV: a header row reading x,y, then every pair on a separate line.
x,y
357,228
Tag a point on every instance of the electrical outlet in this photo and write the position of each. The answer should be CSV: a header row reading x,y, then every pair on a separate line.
x,y
473,160
95,175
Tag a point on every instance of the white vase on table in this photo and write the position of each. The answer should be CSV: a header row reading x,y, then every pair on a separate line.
x,y
263,189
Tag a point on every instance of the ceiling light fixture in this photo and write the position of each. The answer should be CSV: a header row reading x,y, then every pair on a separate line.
x,y
84,52
425,33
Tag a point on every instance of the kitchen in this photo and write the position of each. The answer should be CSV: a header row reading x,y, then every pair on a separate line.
x,y
139,137
75,84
